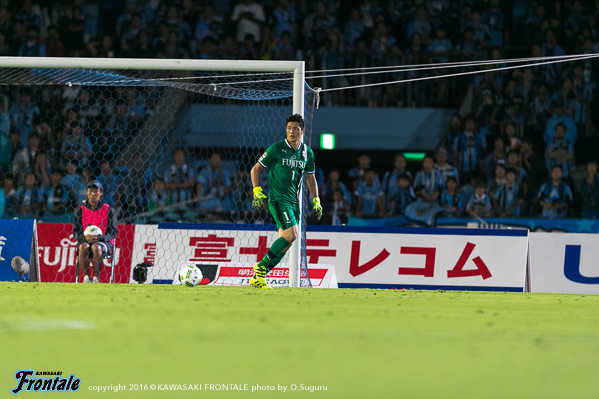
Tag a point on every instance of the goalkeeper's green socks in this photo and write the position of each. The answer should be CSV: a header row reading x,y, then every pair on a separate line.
x,y
274,254
273,263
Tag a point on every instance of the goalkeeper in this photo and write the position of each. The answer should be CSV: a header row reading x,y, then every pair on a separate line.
x,y
286,160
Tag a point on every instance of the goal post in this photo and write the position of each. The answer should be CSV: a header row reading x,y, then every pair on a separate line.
x,y
84,76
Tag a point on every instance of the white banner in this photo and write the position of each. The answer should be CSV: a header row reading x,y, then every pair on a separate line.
x,y
564,263
400,258
432,259
239,274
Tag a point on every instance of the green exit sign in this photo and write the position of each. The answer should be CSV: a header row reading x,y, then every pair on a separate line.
x,y
414,156
327,141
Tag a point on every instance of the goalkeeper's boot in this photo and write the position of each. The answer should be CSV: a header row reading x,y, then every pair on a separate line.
x,y
96,280
258,279
86,279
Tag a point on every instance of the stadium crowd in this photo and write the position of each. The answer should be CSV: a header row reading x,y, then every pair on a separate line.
x,y
526,148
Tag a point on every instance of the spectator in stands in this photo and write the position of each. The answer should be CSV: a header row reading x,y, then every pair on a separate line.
x,y
174,48
17,37
469,150
214,187
333,184
33,47
29,198
5,49
71,178
454,129
29,14
5,18
103,48
248,16
402,196
5,144
249,50
268,45
179,177
482,33
560,117
498,155
22,115
353,28
10,195
161,39
284,19
498,180
132,198
74,41
129,36
15,144
158,197
555,196
124,20
109,183
118,125
337,209
479,204
370,195
80,187
510,136
143,47
24,160
560,150
285,50
494,19
41,168
550,48
420,25
208,25
526,90
56,196
428,182
390,176
567,97
54,46
589,190
445,169
509,196
229,49
177,23
540,108
583,89
514,162
440,46
450,199
356,174
76,146
319,24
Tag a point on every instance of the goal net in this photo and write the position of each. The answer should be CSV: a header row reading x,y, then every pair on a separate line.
x,y
171,141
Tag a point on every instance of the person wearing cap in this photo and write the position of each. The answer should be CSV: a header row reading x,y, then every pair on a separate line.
x,y
94,248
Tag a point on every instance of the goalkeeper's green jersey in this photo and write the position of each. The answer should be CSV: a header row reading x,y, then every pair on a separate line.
x,y
286,167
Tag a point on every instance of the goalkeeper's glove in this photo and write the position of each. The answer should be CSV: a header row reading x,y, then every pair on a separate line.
x,y
317,208
259,198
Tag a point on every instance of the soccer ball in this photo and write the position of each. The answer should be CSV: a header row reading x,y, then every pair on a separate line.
x,y
92,230
190,276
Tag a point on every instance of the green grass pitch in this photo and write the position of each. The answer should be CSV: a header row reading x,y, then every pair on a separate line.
x,y
357,343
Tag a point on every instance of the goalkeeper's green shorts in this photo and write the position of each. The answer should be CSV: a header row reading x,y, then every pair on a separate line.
x,y
285,215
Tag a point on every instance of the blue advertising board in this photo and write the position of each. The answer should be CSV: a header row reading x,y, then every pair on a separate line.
x,y
16,237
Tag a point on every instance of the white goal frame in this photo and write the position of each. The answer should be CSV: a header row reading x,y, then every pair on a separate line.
x,y
295,67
